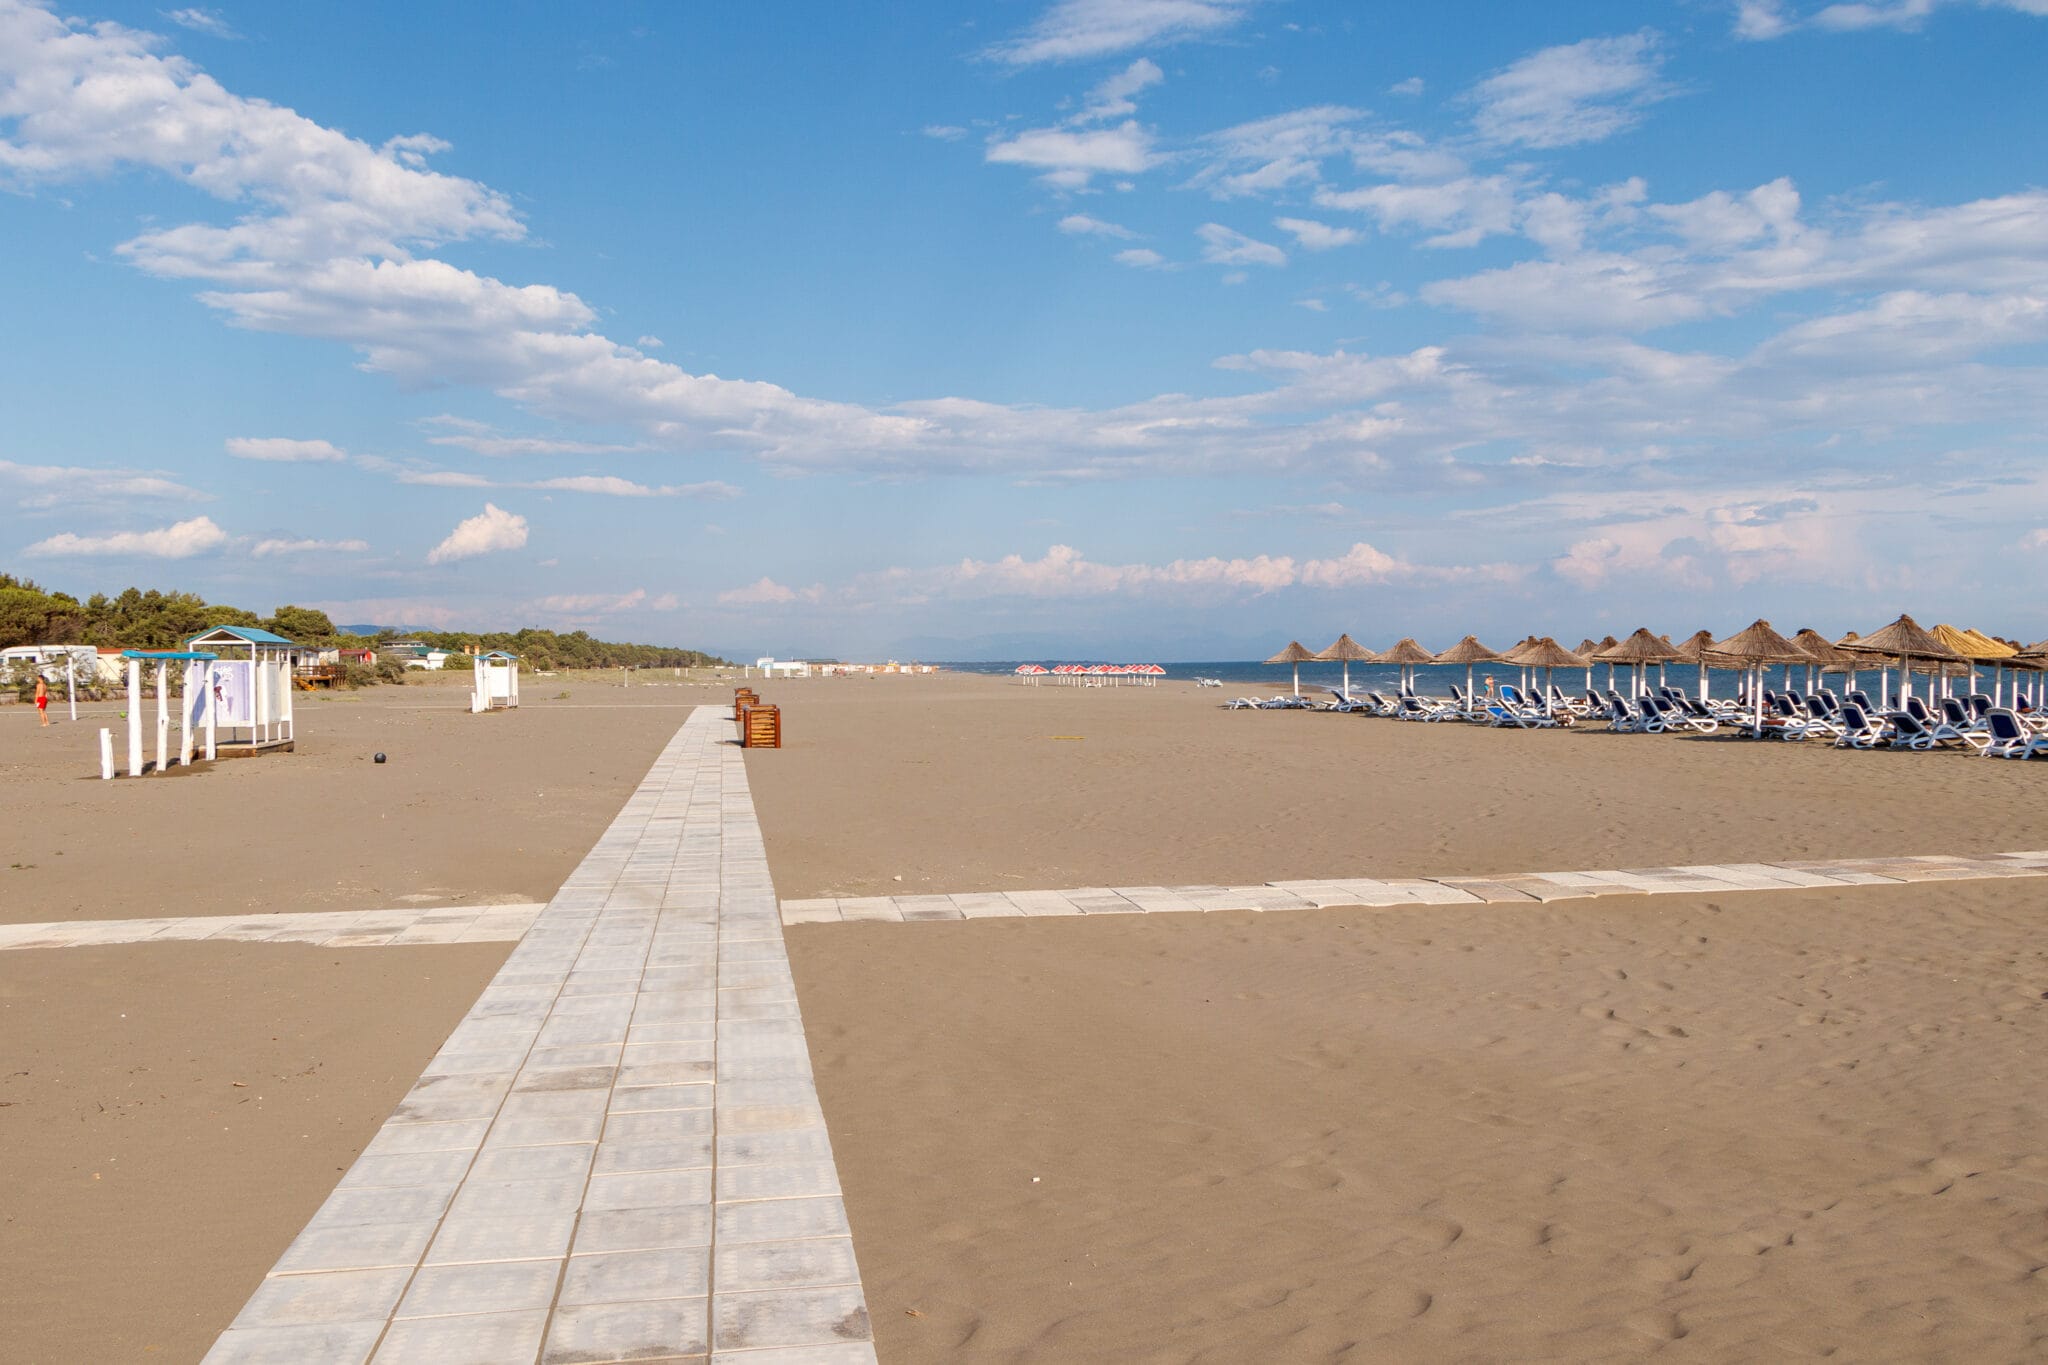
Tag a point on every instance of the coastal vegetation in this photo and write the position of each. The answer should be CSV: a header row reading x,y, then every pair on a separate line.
x,y
151,619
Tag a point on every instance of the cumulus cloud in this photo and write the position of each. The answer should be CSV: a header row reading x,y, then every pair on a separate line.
x,y
1564,96
1271,154
180,541
1075,29
488,532
1227,246
284,450
1116,97
271,549
1140,257
595,604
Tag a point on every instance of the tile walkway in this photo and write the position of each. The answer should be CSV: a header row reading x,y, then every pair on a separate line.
x,y
323,928
1522,888
619,1154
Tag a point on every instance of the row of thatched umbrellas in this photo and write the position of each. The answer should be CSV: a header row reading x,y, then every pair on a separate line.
x,y
1943,651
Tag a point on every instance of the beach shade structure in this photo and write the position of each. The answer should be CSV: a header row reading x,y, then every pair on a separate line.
x,y
1033,672
1905,641
195,705
496,681
1468,652
1978,649
1695,649
1294,654
1408,656
1348,651
1753,651
1546,654
1605,644
1999,654
1588,647
1637,651
1825,655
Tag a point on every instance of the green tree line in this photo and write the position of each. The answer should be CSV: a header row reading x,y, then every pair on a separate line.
x,y
138,619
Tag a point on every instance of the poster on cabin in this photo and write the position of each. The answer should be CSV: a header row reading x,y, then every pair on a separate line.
x,y
233,700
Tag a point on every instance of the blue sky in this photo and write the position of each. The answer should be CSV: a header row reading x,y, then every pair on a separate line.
x,y
1161,328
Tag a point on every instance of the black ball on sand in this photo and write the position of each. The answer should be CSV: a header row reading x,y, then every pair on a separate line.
x,y
380,758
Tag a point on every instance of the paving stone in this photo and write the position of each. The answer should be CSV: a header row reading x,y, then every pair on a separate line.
x,y
810,1263
777,1180
789,1317
636,1276
778,1220
475,1339
843,1353
560,1161
346,1343
468,1238
485,1287
358,1246
327,1296
626,1331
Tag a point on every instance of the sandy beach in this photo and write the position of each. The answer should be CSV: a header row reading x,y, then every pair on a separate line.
x,y
1765,1125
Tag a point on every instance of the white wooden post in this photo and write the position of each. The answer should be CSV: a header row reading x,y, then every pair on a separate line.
x,y
163,712
259,698
71,682
106,755
185,700
206,681
135,718
479,686
284,677
512,679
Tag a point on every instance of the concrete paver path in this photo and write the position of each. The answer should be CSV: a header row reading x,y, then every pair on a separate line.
x,y
619,1154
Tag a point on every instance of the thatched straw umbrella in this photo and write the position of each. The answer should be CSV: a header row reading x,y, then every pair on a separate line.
x,y
1588,647
1905,641
1755,649
1977,648
1825,656
1296,655
1468,652
1547,654
1637,650
1408,655
1346,649
1694,650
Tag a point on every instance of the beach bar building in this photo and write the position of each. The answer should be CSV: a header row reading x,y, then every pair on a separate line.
x,y
497,682
252,688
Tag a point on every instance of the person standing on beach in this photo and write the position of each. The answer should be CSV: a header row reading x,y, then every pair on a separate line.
x,y
43,698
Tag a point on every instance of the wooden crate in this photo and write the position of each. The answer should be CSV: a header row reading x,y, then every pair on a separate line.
x,y
760,727
745,696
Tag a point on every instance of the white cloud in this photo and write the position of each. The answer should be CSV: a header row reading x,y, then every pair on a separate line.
x,y
1075,29
48,485
1227,246
1116,96
1761,20
1564,96
763,592
269,549
1460,212
1069,159
207,21
1310,235
1271,154
1081,225
2036,539
1140,258
614,487
181,541
1407,89
490,530
649,343
1357,567
284,450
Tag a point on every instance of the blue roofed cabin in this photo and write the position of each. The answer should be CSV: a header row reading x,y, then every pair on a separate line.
x,y
497,681
252,688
